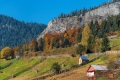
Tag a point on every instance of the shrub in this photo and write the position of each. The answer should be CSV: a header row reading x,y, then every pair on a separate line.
x,y
56,67
73,55
34,54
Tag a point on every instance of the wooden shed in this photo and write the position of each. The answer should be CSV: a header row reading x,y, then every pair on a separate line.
x,y
83,59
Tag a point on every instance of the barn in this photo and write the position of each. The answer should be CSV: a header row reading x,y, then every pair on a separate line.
x,y
91,72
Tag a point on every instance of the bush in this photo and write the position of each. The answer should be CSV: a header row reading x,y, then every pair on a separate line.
x,y
56,67
34,54
73,55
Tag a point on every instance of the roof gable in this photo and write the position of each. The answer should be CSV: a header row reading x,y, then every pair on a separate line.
x,y
91,69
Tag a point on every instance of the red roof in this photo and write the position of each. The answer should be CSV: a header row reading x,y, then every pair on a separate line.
x,y
91,69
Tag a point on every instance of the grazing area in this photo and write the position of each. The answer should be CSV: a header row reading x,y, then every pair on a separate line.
x,y
18,67
45,66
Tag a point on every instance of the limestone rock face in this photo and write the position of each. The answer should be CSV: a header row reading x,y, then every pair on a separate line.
x,y
62,24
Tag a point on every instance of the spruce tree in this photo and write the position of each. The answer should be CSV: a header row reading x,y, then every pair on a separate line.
x,y
105,44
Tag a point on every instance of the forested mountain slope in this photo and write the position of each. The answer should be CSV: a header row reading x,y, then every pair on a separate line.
x,y
14,32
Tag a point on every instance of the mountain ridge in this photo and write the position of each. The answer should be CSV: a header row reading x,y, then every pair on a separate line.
x,y
62,24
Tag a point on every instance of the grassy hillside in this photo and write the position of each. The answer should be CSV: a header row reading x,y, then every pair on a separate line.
x,y
17,67
46,66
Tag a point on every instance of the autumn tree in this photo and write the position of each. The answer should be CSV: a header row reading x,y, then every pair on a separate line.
x,y
97,45
65,35
33,45
85,35
7,53
16,50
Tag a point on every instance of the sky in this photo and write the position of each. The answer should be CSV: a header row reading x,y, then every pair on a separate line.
x,y
42,11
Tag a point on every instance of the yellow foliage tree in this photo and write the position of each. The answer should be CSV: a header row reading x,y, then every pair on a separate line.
x,y
85,35
7,53
97,46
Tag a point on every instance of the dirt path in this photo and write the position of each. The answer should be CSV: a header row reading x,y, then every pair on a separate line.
x,y
77,74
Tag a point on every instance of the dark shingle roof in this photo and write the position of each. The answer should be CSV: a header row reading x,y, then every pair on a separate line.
x,y
84,58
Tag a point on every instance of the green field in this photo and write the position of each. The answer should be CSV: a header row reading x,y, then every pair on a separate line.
x,y
115,42
4,62
18,66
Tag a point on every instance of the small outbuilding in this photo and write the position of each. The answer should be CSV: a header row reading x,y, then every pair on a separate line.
x,y
83,59
91,72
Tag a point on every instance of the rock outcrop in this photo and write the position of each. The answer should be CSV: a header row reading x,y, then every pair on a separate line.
x,y
62,24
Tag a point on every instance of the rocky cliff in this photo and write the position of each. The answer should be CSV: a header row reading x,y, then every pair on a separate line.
x,y
62,24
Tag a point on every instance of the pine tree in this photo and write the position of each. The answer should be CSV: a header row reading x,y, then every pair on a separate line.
x,y
79,36
80,50
41,44
105,44
91,43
